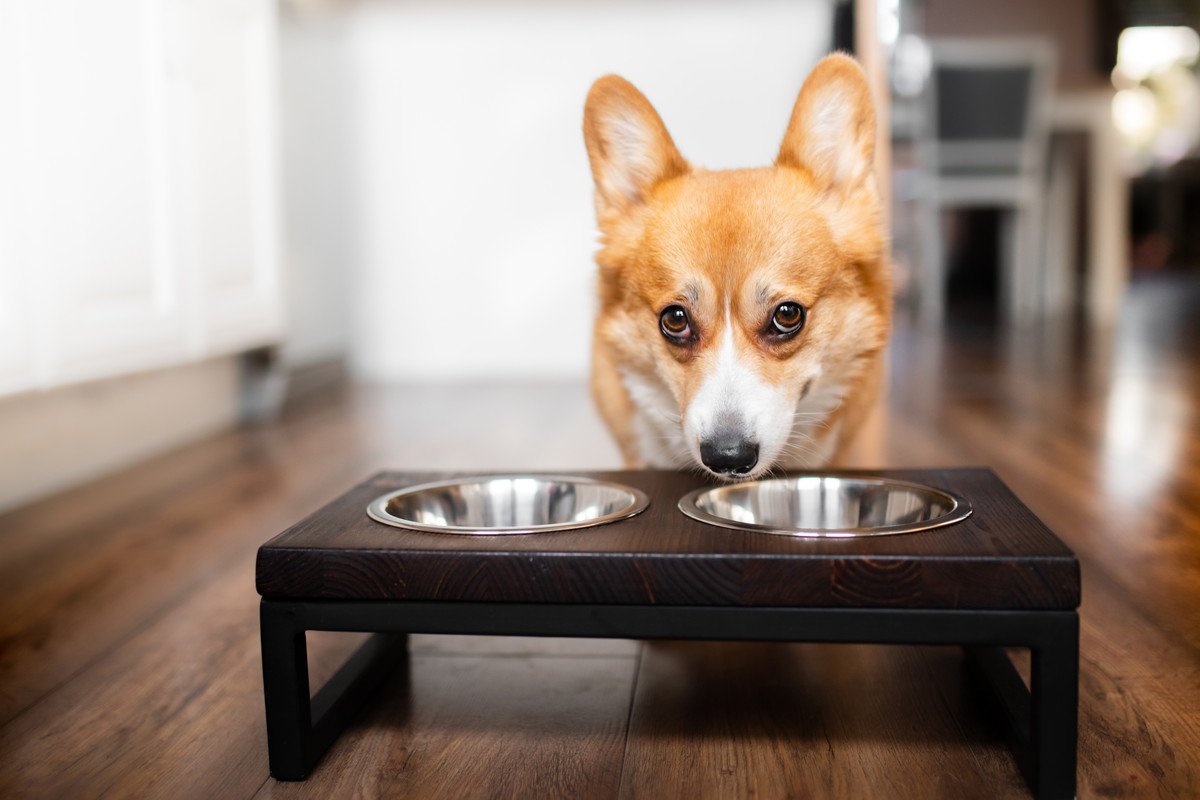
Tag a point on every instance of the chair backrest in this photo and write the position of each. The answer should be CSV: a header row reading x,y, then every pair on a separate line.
x,y
985,111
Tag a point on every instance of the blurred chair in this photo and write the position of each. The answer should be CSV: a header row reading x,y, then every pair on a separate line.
x,y
982,142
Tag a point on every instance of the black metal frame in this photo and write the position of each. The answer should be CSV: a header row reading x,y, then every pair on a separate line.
x,y
1042,722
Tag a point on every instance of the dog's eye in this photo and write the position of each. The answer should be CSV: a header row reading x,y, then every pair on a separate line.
x,y
788,318
675,324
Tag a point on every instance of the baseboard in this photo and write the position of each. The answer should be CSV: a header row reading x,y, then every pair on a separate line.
x,y
60,438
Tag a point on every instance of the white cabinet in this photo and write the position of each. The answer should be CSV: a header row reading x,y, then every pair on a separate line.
x,y
17,356
224,91
139,134
96,253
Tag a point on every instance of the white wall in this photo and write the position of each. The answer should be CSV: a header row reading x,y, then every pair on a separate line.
x,y
316,92
462,219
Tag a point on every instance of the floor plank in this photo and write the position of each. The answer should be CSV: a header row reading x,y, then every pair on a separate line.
x,y
102,584
1139,717
128,625
479,727
773,720
174,712
426,644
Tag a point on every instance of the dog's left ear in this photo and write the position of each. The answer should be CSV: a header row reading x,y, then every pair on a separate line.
x,y
831,134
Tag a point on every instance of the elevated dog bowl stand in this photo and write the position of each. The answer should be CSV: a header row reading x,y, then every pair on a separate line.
x,y
999,579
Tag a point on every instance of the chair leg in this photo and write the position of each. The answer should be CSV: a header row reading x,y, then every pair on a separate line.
x,y
1058,251
931,284
1024,290
1011,272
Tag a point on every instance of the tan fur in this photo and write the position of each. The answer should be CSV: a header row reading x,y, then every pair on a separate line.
x,y
805,229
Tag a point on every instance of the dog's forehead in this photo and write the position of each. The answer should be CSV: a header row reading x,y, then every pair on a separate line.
x,y
741,231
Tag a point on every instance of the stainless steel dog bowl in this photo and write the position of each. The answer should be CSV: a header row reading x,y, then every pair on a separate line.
x,y
505,504
837,506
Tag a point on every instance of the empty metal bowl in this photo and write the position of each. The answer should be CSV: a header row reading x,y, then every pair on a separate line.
x,y
506,504
837,506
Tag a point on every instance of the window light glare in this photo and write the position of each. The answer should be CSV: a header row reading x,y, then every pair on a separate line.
x,y
1135,114
1144,51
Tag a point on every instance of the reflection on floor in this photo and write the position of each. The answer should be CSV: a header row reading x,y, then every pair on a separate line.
x,y
128,629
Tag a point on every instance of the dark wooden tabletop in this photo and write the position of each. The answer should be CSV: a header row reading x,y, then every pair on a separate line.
x,y
1001,557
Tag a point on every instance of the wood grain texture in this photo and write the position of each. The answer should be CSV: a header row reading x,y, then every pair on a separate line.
x,y
132,669
474,727
128,659
760,720
160,716
1001,557
142,559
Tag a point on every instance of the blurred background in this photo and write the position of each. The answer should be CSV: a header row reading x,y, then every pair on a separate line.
x,y
209,209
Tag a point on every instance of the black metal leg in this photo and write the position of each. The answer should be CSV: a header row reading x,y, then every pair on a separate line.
x,y
300,730
1043,722
1054,712
285,689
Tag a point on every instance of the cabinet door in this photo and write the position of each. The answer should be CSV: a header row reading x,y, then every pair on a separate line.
x,y
16,344
223,128
96,248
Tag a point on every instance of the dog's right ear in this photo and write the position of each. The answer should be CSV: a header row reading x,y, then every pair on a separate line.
x,y
627,143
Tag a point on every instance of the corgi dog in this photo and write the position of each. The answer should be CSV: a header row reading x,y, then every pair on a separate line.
x,y
743,314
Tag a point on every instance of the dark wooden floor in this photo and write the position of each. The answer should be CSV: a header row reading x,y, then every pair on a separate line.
x,y
128,628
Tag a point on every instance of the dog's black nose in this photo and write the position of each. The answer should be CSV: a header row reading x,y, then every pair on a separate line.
x,y
729,455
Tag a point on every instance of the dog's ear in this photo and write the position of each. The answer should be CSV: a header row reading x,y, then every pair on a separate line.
x,y
628,145
831,134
